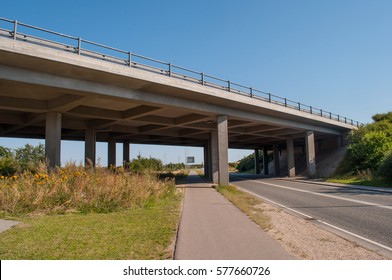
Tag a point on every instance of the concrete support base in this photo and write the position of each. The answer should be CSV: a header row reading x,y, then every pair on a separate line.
x,y
53,138
90,146
290,158
310,153
112,152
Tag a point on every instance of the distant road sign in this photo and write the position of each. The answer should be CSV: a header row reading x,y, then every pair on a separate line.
x,y
190,160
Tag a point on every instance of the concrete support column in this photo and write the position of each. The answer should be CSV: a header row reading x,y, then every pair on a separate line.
x,y
90,146
112,152
126,152
223,150
53,138
290,157
257,161
265,160
207,161
276,159
310,153
214,157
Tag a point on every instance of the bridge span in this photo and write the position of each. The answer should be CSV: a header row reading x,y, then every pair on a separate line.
x,y
58,87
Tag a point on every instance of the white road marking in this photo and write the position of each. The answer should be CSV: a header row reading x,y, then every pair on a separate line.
x,y
325,195
320,221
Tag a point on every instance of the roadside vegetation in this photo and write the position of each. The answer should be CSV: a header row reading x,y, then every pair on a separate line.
x,y
247,204
78,212
369,154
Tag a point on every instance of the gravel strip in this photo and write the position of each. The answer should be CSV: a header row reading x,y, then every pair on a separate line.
x,y
307,241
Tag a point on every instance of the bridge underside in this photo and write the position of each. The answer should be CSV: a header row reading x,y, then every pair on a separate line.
x,y
59,99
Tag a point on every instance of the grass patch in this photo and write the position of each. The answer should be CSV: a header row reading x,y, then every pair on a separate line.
x,y
143,233
247,204
361,182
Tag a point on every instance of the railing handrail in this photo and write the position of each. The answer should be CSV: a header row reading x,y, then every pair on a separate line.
x,y
222,83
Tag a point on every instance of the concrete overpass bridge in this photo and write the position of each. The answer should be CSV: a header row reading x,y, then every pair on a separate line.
x,y
58,87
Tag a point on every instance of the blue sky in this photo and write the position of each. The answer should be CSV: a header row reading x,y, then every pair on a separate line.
x,y
334,55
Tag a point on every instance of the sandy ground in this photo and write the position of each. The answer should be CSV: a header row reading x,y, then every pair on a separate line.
x,y
305,240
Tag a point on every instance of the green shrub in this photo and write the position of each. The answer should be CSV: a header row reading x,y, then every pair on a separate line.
x,y
143,165
7,166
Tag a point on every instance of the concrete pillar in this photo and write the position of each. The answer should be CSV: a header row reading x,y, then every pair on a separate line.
x,y
310,153
276,159
126,152
90,146
257,161
214,157
290,157
265,160
53,138
112,152
223,150
207,161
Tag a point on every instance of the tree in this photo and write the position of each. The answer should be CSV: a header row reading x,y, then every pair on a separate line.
x,y
29,157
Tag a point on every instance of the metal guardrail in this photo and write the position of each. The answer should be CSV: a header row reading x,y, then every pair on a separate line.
x,y
48,38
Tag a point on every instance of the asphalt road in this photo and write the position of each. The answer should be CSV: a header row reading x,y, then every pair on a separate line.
x,y
365,213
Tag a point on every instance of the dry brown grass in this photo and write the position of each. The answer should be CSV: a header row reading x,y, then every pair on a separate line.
x,y
78,189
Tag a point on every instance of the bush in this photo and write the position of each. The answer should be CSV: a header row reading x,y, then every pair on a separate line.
x,y
385,169
143,165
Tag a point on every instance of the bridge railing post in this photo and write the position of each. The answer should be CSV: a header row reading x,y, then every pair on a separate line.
x,y
228,86
79,45
251,91
15,28
130,59
202,78
170,69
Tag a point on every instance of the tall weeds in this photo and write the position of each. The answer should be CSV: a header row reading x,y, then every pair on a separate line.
x,y
78,189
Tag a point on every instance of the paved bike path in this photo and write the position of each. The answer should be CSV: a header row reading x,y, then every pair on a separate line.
x,y
212,228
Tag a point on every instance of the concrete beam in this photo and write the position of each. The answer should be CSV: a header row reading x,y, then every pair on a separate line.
x,y
223,148
53,138
90,146
310,153
112,152
290,157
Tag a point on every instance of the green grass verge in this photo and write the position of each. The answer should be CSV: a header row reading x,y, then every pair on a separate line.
x,y
143,233
247,204
361,182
